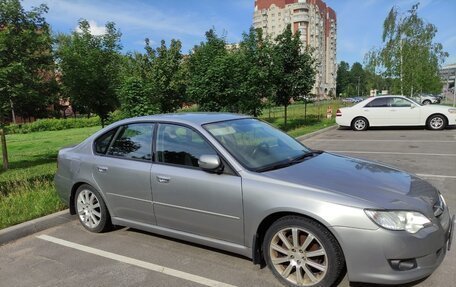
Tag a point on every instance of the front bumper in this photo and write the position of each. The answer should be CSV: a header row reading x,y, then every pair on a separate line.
x,y
372,255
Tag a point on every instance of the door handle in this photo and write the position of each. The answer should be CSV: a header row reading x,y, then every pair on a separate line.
x,y
163,179
102,169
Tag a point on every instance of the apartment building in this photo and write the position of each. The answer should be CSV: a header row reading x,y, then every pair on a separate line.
x,y
318,26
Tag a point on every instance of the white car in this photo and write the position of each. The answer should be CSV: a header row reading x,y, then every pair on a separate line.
x,y
386,111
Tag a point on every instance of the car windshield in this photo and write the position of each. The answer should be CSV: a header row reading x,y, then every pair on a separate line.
x,y
258,146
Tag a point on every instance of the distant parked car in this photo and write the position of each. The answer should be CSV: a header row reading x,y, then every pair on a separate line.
x,y
236,183
427,99
348,100
358,99
395,111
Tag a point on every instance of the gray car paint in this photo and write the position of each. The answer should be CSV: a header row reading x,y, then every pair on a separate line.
x,y
331,189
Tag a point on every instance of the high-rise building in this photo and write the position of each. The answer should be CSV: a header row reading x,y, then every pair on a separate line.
x,y
318,26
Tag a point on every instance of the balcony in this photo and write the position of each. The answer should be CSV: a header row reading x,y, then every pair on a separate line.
x,y
301,17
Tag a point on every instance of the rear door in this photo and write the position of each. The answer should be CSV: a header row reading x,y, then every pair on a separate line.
x,y
122,171
377,112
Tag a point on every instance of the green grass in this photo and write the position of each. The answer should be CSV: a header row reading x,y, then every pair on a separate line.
x,y
27,202
27,190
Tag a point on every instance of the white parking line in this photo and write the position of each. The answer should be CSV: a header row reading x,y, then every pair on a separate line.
x,y
436,176
135,262
393,153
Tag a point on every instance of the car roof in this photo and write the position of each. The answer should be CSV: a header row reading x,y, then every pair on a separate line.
x,y
191,118
389,96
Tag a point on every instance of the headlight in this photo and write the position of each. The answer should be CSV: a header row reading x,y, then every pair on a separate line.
x,y
452,111
409,221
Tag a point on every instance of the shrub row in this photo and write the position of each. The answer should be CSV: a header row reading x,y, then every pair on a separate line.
x,y
52,125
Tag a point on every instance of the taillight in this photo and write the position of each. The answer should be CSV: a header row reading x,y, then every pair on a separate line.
x,y
338,113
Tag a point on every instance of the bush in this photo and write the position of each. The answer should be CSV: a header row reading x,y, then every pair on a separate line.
x,y
52,125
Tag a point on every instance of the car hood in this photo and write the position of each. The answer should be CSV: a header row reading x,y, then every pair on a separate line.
x,y
379,185
436,108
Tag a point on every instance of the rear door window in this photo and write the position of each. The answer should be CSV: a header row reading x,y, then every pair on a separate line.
x,y
379,103
133,141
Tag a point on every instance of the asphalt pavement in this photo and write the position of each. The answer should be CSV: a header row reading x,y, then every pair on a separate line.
x,y
68,255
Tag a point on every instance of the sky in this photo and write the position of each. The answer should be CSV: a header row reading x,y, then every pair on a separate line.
x,y
359,22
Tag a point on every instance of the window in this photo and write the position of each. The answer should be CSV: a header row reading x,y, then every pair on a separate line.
x,y
133,142
181,145
255,144
102,143
401,103
379,103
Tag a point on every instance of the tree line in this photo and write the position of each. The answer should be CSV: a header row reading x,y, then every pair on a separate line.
x,y
37,69
407,62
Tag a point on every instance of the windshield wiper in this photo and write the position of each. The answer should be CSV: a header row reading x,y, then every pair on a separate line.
x,y
306,155
293,161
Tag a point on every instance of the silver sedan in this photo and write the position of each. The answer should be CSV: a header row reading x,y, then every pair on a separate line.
x,y
235,183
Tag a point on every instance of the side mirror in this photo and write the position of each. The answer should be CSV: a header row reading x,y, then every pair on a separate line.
x,y
413,106
210,162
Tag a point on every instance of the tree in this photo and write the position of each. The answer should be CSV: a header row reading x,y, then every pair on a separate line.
x,y
343,78
27,79
256,75
167,76
26,63
210,69
358,79
134,95
90,68
295,69
409,54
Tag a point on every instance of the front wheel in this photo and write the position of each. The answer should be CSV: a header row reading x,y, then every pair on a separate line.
x,y
91,209
302,252
426,102
436,122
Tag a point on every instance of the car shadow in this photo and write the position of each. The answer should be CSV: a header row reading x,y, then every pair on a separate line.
x,y
417,128
414,283
186,243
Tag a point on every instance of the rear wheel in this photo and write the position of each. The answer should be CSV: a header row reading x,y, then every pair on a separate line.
x,y
360,124
301,252
91,209
436,122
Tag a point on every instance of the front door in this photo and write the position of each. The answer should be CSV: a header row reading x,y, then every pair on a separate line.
x,y
189,199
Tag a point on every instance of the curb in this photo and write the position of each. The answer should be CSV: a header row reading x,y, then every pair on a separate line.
x,y
307,136
27,228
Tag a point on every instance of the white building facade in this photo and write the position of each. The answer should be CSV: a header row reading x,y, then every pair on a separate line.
x,y
318,26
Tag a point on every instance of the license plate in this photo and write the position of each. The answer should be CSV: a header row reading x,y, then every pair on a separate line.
x,y
451,233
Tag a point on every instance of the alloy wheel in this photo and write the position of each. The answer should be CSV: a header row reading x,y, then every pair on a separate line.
x,y
360,124
298,256
437,123
89,209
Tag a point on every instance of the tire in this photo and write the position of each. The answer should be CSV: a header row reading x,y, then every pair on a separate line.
x,y
91,209
308,245
436,122
427,102
360,124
